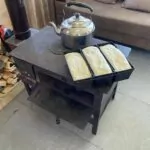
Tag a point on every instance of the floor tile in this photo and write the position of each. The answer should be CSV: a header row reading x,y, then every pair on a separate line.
x,y
8,112
139,83
125,125
29,130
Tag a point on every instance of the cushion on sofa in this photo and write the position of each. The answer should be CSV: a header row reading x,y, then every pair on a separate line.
x,y
107,1
142,5
117,19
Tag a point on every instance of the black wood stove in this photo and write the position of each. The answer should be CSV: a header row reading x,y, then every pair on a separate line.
x,y
49,84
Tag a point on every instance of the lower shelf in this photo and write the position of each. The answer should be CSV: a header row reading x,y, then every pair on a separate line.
x,y
68,109
63,108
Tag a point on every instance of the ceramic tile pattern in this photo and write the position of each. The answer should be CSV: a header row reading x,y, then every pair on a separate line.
x,y
125,124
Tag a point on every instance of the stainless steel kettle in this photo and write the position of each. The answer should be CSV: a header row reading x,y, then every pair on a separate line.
x,y
77,31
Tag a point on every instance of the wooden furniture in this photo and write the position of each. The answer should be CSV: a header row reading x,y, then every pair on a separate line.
x,y
112,22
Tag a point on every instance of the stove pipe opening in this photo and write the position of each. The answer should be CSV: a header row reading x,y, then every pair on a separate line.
x,y
18,18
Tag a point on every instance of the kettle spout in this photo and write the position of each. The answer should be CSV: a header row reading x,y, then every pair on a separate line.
x,y
57,30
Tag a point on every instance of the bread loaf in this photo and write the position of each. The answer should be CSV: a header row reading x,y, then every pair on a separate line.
x,y
96,61
115,57
77,66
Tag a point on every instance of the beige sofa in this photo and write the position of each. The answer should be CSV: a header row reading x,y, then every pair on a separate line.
x,y
114,22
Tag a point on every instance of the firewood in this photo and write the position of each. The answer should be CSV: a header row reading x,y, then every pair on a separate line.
x,y
14,75
1,75
7,75
11,59
12,81
16,72
7,89
4,59
9,65
3,83
11,69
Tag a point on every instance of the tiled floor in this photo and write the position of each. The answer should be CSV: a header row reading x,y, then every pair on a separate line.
x,y
125,124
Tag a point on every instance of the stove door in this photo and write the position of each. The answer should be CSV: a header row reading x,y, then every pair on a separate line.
x,y
27,71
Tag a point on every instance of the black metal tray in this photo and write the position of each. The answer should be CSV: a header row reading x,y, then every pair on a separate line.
x,y
123,75
118,75
104,79
95,80
99,80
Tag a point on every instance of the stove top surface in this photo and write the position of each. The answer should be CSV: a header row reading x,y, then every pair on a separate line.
x,y
45,50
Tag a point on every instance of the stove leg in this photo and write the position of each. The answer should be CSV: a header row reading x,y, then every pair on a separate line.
x,y
95,123
58,120
96,114
114,93
28,88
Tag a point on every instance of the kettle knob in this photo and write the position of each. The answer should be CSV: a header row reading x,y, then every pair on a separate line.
x,y
77,15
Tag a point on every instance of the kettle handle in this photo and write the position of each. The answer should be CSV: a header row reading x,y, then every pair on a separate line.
x,y
79,4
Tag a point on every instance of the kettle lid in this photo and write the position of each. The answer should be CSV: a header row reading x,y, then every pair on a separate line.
x,y
78,21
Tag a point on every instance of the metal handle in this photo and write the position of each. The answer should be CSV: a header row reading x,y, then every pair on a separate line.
x,y
79,4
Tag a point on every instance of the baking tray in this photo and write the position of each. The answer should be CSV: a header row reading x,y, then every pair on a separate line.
x,y
119,75
95,80
123,75
104,79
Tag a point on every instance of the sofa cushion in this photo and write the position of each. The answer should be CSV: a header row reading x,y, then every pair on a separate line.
x,y
107,1
117,19
143,5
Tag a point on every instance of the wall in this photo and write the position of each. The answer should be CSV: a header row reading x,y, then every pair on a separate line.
x,y
39,12
4,17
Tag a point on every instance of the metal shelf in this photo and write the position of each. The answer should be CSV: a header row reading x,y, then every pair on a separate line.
x,y
63,108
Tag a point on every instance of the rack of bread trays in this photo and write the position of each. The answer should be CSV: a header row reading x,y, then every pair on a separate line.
x,y
9,75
